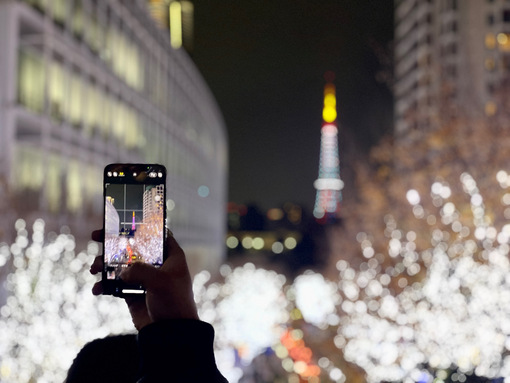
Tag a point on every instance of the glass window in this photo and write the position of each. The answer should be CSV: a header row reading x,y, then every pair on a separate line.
x,y
133,70
74,187
77,19
106,114
92,186
131,136
59,10
490,64
94,34
28,168
57,91
53,183
31,81
505,64
490,108
152,137
490,41
99,112
93,109
120,57
76,100
112,37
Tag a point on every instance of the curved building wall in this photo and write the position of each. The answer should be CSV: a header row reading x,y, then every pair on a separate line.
x,y
84,83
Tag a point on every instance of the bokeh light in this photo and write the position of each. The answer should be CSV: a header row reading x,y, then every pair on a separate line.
x,y
50,311
418,313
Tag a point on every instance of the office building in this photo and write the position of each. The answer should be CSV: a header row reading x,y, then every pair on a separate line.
x,y
451,57
84,83
152,202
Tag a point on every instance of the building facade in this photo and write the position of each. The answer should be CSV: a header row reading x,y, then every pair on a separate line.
x,y
84,83
448,53
152,201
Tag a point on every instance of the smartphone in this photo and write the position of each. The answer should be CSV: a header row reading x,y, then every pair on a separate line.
x,y
134,222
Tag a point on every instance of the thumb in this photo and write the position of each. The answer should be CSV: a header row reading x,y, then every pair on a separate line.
x,y
141,273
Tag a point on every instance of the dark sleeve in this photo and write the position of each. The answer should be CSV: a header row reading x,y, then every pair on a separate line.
x,y
178,351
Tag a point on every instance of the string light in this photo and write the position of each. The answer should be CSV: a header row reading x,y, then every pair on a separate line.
x,y
394,327
50,311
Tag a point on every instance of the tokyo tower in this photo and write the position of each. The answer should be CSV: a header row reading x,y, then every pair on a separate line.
x,y
329,185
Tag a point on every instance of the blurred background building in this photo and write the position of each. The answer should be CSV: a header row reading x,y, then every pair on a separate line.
x,y
447,53
85,83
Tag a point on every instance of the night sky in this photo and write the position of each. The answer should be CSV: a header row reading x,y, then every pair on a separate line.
x,y
265,61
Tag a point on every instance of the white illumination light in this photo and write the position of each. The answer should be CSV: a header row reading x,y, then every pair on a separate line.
x,y
413,197
328,184
277,247
232,242
60,313
290,243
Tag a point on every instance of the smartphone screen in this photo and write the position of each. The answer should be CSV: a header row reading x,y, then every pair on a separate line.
x,y
134,221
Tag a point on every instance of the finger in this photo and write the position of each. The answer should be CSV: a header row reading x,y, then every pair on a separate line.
x,y
138,310
176,260
173,247
97,265
97,289
97,235
141,273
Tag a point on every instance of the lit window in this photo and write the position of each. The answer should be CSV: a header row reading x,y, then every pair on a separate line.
x,y
56,88
54,182
490,65
490,108
77,19
490,41
31,81
503,41
28,167
59,10
74,186
75,101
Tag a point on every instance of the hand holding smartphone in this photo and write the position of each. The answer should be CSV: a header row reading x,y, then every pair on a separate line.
x,y
134,222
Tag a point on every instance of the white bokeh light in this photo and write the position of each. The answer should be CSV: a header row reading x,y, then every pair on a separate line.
x,y
408,315
50,312
317,298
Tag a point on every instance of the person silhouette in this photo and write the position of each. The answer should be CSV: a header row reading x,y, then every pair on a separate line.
x,y
172,344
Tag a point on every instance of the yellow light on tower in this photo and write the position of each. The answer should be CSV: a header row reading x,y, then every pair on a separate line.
x,y
329,113
175,13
